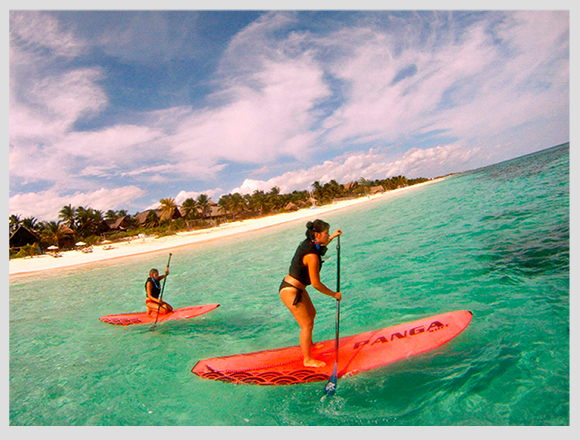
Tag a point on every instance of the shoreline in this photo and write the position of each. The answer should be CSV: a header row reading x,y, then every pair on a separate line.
x,y
149,244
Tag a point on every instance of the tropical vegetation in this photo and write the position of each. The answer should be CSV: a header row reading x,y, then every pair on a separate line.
x,y
89,226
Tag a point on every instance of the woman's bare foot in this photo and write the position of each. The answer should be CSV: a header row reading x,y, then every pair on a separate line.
x,y
314,363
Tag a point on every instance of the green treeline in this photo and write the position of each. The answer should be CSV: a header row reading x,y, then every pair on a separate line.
x,y
29,236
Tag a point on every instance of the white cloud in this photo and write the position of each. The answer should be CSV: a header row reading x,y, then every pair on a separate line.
x,y
283,94
265,119
182,195
465,85
372,164
38,31
47,204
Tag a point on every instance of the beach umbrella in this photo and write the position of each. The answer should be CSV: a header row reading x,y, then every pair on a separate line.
x,y
80,243
52,248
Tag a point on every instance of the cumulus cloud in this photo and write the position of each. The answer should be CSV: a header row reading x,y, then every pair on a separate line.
x,y
372,164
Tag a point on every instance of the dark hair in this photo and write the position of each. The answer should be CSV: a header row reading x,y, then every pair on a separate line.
x,y
315,226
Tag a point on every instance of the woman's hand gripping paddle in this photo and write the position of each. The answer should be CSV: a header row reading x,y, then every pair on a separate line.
x,y
161,295
330,387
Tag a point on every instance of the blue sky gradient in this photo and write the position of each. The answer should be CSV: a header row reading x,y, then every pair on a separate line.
x,y
118,109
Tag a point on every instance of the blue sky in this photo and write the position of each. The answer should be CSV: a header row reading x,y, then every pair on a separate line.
x,y
118,109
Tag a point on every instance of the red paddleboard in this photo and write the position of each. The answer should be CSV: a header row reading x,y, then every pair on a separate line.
x,y
143,318
356,353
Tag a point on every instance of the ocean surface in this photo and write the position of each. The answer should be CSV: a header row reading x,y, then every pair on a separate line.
x,y
495,241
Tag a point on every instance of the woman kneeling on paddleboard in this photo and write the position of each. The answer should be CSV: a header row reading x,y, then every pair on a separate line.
x,y
153,289
305,270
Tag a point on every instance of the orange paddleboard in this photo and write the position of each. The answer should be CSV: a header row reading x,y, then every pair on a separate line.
x,y
356,353
143,318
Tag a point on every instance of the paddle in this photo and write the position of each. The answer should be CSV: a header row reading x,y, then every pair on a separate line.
x,y
161,295
330,387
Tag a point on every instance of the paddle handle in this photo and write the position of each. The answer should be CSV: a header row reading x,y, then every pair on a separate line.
x,y
164,279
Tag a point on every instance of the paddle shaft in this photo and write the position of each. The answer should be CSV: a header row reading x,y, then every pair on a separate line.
x,y
337,301
330,388
162,289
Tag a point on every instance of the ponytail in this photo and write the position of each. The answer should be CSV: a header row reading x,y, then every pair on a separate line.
x,y
315,226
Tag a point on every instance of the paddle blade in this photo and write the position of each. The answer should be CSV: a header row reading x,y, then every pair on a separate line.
x,y
330,387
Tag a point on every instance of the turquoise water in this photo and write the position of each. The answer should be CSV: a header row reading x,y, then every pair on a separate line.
x,y
494,241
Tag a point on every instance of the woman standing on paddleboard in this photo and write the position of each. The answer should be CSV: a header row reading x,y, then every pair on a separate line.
x,y
305,270
153,288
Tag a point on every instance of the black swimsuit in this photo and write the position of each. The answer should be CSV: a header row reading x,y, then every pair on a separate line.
x,y
299,270
298,297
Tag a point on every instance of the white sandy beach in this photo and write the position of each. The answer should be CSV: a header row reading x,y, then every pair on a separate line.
x,y
147,244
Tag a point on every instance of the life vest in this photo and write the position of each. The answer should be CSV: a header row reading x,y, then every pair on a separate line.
x,y
156,290
298,269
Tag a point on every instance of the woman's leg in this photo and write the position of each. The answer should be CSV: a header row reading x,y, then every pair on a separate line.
x,y
304,313
152,308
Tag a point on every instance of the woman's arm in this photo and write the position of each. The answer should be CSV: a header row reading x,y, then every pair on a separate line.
x,y
313,264
166,273
335,234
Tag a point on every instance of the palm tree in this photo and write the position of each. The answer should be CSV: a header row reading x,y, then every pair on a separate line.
x,y
54,232
30,223
258,202
225,202
67,215
399,181
14,222
203,205
238,204
189,209
111,215
88,221
168,207
151,220
274,200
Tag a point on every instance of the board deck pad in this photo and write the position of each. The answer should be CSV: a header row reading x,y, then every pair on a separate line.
x,y
365,351
143,318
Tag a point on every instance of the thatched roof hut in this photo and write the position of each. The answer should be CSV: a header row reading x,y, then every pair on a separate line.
x,y
141,217
290,207
119,224
377,189
216,211
22,237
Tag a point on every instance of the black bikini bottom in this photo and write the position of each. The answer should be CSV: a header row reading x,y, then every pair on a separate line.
x,y
298,294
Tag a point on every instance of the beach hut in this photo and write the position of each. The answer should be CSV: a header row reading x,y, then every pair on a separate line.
x,y
119,224
377,189
216,212
290,207
142,216
350,185
22,237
